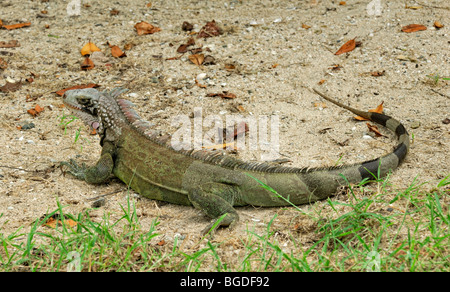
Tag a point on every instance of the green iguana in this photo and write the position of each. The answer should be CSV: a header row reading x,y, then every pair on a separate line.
x,y
210,181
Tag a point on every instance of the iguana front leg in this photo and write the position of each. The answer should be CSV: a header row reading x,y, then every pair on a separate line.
x,y
96,174
216,200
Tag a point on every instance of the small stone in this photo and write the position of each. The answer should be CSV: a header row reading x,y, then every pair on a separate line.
x,y
415,124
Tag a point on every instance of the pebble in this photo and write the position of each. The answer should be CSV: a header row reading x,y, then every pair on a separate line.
x,y
201,76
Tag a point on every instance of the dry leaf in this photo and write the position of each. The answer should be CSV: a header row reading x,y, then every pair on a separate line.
x,y
55,219
114,12
342,3
197,59
209,30
186,26
116,52
305,26
230,67
347,47
320,104
10,44
438,25
198,84
17,25
377,73
1,23
35,111
224,94
322,81
378,109
87,64
374,128
11,86
89,48
413,28
145,28
90,85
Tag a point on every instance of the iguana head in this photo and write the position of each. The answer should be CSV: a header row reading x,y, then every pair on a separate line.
x,y
97,109
84,103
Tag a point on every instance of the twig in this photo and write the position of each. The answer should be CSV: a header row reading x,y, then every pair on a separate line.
x,y
104,195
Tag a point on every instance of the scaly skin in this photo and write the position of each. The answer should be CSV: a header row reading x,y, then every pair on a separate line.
x,y
207,180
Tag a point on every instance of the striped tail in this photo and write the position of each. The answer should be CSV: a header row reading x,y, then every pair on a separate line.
x,y
390,161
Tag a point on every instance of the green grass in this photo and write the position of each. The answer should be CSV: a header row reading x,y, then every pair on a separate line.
x,y
369,230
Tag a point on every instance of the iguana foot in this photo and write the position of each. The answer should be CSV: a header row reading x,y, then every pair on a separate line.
x,y
228,221
75,169
94,174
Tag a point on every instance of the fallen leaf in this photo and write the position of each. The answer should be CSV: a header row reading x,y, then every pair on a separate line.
x,y
114,12
82,86
10,44
209,30
1,23
230,67
199,85
17,25
305,26
11,86
412,7
322,81
377,73
413,28
275,65
116,52
224,94
35,111
89,48
378,109
145,28
55,220
438,25
320,104
161,243
342,3
186,26
87,64
197,59
374,129
182,48
347,47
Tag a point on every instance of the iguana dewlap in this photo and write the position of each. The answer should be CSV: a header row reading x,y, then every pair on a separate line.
x,y
209,181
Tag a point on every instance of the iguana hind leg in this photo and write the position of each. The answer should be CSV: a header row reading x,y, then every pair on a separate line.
x,y
95,174
216,200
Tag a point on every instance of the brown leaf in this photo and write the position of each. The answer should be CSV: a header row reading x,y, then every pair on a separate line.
x,y
17,25
198,84
413,28
224,94
87,64
438,25
378,109
183,48
209,30
116,52
1,23
145,28
186,26
114,12
89,48
230,67
55,219
35,111
374,129
305,26
10,44
11,86
90,85
347,47
377,73
197,59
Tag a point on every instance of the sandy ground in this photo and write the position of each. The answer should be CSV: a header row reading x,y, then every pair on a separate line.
x,y
275,60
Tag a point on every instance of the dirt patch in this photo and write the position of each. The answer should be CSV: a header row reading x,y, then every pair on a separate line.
x,y
266,56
